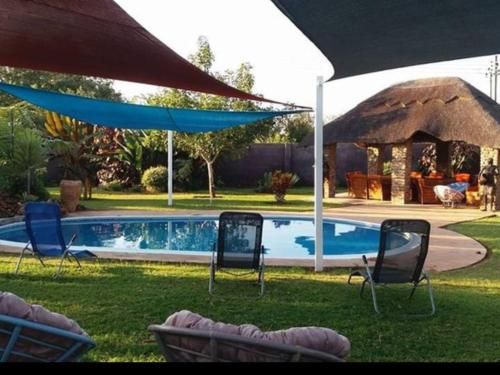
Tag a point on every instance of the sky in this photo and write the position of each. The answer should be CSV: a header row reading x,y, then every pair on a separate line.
x,y
285,63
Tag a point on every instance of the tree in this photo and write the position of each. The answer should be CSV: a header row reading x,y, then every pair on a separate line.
x,y
65,83
291,129
209,146
75,140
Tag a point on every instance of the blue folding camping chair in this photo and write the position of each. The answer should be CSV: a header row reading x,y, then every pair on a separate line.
x,y
43,225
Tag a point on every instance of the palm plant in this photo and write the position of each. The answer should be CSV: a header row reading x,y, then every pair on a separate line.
x,y
23,150
22,153
122,151
281,182
74,146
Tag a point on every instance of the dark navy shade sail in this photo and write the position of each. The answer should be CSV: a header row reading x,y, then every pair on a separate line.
x,y
364,36
134,116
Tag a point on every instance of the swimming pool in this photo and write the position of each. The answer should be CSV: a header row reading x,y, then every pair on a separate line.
x,y
284,237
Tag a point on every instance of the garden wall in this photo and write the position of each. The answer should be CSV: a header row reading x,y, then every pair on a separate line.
x,y
262,158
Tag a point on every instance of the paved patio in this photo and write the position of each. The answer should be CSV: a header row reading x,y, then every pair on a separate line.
x,y
448,250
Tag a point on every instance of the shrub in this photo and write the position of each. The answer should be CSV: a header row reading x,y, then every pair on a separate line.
x,y
15,186
118,170
114,185
281,182
135,189
265,183
155,179
183,175
26,198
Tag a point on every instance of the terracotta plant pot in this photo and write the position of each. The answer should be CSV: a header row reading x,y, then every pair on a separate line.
x,y
70,194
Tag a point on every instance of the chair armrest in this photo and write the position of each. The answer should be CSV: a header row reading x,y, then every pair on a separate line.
x,y
73,238
86,340
365,261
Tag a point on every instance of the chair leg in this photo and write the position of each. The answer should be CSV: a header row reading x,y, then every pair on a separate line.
x,y
212,278
60,265
415,285
429,290
19,261
41,261
361,291
431,296
261,280
350,277
77,262
374,297
372,286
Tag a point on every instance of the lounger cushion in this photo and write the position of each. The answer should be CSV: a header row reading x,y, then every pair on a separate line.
x,y
317,338
16,307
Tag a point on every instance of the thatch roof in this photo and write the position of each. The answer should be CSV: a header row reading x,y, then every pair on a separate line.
x,y
448,109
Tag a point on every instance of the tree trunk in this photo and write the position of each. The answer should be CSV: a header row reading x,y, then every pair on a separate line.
x,y
87,189
28,182
211,178
90,189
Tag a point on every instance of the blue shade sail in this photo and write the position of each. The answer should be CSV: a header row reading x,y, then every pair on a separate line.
x,y
134,116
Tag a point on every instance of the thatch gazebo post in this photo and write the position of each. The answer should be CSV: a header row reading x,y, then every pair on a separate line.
x,y
331,178
443,158
401,171
375,157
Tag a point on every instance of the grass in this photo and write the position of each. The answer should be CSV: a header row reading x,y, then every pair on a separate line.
x,y
116,301
298,200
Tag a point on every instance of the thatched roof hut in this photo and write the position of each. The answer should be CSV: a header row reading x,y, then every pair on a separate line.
x,y
447,109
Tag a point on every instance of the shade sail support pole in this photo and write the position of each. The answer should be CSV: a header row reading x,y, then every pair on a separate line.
x,y
318,176
170,150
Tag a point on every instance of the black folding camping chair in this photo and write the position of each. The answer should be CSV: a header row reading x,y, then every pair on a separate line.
x,y
238,246
401,256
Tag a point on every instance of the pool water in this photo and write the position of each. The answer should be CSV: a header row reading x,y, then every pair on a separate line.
x,y
283,237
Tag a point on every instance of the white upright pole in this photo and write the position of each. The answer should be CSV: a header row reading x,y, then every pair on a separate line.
x,y
318,176
170,165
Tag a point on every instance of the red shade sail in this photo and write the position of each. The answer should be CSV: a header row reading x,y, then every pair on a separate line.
x,y
96,38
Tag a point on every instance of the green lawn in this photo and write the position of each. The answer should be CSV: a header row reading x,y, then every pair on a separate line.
x,y
298,200
116,301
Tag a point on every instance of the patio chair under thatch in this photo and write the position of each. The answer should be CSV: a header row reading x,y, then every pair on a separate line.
x,y
348,175
359,187
448,196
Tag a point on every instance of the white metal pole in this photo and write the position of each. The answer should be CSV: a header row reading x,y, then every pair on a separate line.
x,y
170,165
318,176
